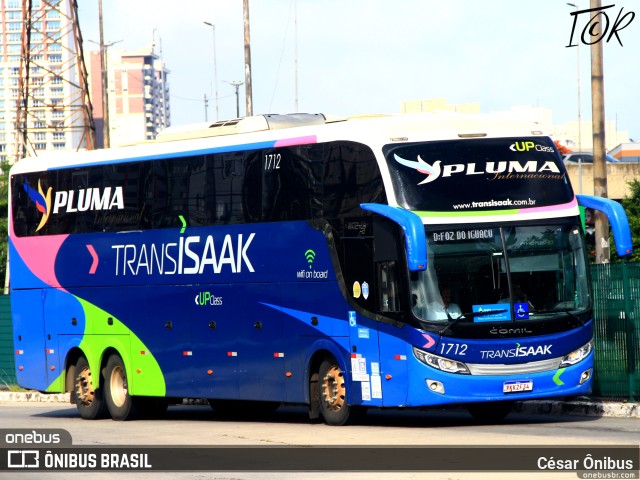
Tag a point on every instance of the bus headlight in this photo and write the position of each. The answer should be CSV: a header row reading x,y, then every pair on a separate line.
x,y
440,363
577,355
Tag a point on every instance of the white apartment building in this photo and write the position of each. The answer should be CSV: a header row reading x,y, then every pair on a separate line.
x,y
137,93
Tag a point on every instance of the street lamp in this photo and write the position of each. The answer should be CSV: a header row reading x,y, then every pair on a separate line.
x,y
579,114
215,65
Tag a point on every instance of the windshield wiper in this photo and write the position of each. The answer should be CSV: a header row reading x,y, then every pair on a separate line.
x,y
568,311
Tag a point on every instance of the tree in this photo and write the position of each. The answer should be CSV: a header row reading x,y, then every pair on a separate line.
x,y
631,204
561,148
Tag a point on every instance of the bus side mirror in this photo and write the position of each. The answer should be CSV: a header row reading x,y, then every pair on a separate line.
x,y
415,239
617,219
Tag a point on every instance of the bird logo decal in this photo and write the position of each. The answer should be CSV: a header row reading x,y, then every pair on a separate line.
x,y
432,171
42,201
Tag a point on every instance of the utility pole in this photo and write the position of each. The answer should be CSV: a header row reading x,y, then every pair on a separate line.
x,y
579,114
296,107
247,60
236,85
215,66
105,86
599,146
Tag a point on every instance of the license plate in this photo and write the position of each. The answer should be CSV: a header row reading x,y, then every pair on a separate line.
x,y
517,386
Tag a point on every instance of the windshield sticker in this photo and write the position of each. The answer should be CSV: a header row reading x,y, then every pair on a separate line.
x,y
521,310
496,312
356,289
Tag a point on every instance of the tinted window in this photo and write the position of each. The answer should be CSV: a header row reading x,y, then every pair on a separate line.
x,y
478,174
351,177
213,189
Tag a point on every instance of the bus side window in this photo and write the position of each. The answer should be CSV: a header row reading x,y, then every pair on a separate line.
x,y
388,299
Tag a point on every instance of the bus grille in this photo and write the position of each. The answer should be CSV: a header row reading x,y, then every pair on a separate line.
x,y
518,368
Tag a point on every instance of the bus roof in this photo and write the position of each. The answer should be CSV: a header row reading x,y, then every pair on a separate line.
x,y
291,129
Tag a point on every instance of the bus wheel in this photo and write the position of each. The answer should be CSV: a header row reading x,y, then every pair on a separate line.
x,y
333,393
90,402
121,405
490,411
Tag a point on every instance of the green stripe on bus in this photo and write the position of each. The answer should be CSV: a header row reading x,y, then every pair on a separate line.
x,y
483,213
144,374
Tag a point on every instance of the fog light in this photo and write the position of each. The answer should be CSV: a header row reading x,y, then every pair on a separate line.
x,y
435,386
586,375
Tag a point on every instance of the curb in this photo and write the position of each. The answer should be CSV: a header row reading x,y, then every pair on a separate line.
x,y
34,397
587,408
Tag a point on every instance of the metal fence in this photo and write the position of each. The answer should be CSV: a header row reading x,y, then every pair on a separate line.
x,y
7,365
617,331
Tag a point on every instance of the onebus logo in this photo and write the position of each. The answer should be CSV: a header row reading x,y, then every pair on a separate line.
x,y
70,201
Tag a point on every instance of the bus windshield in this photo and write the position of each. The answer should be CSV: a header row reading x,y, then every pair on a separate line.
x,y
477,175
498,274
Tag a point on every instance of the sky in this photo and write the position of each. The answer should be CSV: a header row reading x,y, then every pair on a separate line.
x,y
367,56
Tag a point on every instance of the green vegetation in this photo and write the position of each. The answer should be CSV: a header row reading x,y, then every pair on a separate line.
x,y
631,205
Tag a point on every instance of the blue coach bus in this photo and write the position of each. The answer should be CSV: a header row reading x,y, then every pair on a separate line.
x,y
392,261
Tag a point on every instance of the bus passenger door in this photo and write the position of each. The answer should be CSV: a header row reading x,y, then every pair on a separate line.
x,y
365,361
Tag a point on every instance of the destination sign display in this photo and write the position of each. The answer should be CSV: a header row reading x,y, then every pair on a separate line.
x,y
463,235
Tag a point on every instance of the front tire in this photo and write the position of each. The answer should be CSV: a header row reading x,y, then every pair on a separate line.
x,y
89,402
121,405
332,390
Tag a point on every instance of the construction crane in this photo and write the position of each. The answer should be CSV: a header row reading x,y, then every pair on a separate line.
x,y
53,108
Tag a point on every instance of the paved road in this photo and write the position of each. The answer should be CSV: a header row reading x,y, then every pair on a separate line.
x,y
199,425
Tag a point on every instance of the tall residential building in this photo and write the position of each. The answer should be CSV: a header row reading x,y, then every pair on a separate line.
x,y
138,96
43,97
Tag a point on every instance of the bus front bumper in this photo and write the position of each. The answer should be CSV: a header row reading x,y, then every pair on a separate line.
x,y
435,387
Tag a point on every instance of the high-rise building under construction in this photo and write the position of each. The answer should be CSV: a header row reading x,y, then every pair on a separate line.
x,y
44,102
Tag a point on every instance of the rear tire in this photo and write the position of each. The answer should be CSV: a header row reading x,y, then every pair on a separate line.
x,y
332,391
89,402
490,411
121,405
